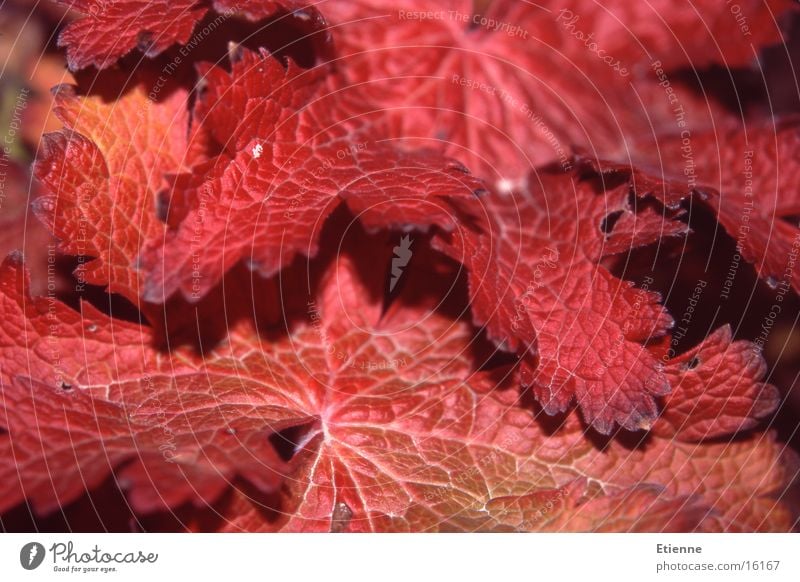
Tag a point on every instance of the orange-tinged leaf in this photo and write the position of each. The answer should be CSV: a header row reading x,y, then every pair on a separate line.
x,y
102,174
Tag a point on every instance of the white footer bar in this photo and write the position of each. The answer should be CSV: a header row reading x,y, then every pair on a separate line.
x,y
396,557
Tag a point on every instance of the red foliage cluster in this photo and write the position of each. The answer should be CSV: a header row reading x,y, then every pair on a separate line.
x,y
398,266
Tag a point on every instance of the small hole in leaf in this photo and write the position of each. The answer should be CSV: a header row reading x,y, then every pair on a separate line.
x,y
633,199
287,440
693,363
608,223
65,387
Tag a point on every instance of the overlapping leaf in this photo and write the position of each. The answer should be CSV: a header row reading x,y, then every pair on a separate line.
x,y
398,432
110,29
512,473
537,284
294,146
102,173
524,83
686,33
83,395
748,176
516,474
19,229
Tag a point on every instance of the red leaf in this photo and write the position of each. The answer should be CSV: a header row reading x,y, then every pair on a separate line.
x,y
412,68
686,33
102,174
522,84
352,392
255,10
294,145
429,445
397,431
535,274
717,390
514,474
754,173
747,175
110,29
100,399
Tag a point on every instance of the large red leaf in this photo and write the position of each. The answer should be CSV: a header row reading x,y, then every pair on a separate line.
x,y
83,395
522,84
436,451
294,146
397,431
537,283
707,488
